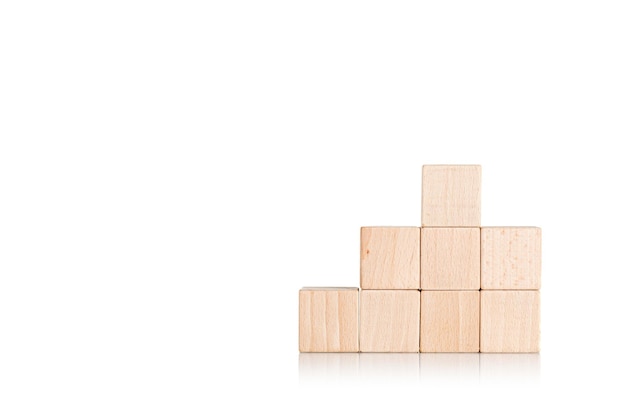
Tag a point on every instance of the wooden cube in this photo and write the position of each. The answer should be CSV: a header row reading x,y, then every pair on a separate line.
x,y
449,321
390,258
509,321
390,320
329,320
450,258
451,195
510,258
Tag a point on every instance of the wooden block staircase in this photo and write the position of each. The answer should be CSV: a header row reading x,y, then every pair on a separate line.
x,y
448,286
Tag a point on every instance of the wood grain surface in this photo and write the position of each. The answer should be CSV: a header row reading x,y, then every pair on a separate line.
x,y
329,320
509,321
450,258
450,321
390,320
510,258
451,195
390,258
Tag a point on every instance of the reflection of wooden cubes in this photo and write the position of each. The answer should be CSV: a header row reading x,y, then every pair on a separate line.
x,y
329,320
328,367
501,368
389,367
390,258
449,321
510,258
450,368
390,320
450,258
509,321
451,195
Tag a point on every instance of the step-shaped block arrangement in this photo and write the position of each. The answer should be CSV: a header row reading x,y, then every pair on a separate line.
x,y
448,286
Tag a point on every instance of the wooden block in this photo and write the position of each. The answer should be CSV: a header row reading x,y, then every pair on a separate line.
x,y
390,258
449,321
329,320
390,320
450,258
510,258
451,195
509,321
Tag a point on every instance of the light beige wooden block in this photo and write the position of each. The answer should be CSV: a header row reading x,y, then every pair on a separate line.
x,y
329,320
450,258
509,321
390,258
390,320
510,258
450,321
451,195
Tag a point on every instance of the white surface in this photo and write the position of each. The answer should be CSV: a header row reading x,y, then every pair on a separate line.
x,y
172,173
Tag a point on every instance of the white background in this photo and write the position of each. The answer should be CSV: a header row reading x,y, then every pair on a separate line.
x,y
171,173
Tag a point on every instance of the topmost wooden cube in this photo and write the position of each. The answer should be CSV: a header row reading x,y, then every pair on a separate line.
x,y
451,195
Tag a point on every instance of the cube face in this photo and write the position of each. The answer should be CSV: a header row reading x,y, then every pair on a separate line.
x,y
390,320
450,258
509,321
510,258
451,195
450,321
390,258
329,320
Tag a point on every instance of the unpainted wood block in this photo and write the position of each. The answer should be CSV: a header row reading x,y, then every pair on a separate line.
x,y
450,258
450,321
451,195
390,320
329,320
510,258
390,258
509,321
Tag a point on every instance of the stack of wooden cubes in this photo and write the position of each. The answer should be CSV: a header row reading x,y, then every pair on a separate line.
x,y
449,286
